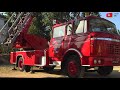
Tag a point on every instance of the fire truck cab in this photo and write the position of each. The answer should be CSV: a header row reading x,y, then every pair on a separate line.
x,y
91,42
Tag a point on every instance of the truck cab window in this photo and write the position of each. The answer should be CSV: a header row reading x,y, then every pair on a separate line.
x,y
82,27
99,25
59,31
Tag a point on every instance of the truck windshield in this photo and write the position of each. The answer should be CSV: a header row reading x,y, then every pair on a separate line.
x,y
99,25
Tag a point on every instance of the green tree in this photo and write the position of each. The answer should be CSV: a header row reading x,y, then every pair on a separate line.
x,y
42,23
93,13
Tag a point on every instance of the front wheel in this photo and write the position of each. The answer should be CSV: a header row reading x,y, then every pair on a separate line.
x,y
73,67
105,70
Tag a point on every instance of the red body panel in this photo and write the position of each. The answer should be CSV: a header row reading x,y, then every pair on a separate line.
x,y
31,41
30,57
106,61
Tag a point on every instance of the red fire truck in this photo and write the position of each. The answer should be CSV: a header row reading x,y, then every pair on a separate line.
x,y
76,46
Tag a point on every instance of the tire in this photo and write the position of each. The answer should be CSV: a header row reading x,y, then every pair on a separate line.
x,y
49,68
27,68
20,64
73,68
104,71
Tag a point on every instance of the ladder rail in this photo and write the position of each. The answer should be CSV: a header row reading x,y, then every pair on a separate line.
x,y
24,22
5,33
15,22
26,19
3,30
15,29
20,26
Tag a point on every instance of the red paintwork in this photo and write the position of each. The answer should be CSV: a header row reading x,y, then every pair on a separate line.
x,y
31,41
82,44
104,45
29,57
13,58
48,60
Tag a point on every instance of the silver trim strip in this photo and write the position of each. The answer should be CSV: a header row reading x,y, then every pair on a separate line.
x,y
106,39
85,65
24,51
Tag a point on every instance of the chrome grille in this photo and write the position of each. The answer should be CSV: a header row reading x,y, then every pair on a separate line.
x,y
113,49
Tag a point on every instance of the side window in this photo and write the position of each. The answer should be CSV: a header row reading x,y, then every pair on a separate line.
x,y
69,29
59,31
80,27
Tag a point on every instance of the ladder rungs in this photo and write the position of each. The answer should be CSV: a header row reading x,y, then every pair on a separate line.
x,y
16,28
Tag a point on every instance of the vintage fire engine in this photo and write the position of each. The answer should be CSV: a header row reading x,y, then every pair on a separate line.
x,y
76,46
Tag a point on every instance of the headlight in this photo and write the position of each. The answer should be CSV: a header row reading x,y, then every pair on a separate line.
x,y
99,61
95,61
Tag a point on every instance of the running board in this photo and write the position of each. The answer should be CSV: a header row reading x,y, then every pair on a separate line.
x,y
39,65
43,65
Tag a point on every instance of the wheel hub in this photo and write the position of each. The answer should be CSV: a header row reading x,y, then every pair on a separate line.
x,y
72,68
20,64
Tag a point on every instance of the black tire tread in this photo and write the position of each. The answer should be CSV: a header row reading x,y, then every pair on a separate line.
x,y
105,70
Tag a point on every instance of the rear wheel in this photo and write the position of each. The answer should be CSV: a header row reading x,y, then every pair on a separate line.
x,y
20,64
73,67
104,71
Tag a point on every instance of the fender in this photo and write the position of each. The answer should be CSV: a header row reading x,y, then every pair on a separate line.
x,y
20,55
75,50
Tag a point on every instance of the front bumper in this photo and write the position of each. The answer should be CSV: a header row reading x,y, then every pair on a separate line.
x,y
100,61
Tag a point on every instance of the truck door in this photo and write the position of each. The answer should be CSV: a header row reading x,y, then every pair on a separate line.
x,y
80,36
57,42
68,36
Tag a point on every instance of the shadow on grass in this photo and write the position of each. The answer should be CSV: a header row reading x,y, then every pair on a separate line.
x,y
55,71
114,74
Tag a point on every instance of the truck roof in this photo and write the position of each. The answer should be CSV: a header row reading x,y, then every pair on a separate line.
x,y
84,18
90,17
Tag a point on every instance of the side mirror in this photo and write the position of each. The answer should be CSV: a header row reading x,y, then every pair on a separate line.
x,y
70,28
